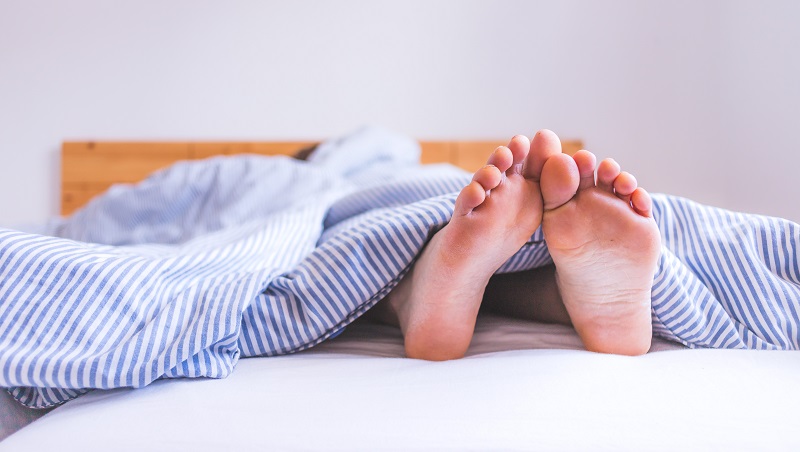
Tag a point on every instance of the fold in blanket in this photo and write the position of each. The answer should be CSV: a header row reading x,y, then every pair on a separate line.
x,y
209,261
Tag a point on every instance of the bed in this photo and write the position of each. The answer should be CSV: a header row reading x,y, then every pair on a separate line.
x,y
523,385
88,168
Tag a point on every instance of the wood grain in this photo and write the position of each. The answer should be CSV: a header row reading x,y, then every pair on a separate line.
x,y
88,168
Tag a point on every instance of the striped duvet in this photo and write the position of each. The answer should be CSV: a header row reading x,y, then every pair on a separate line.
x,y
210,261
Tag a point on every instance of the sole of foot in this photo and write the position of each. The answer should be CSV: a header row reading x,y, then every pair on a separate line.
x,y
605,245
437,303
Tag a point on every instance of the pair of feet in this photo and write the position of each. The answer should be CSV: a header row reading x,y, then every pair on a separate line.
x,y
599,231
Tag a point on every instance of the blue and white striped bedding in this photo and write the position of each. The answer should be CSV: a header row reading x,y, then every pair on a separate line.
x,y
210,261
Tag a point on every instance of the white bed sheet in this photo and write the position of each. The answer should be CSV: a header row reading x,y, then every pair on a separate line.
x,y
523,386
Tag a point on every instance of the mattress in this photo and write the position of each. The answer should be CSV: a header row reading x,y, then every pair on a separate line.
x,y
522,386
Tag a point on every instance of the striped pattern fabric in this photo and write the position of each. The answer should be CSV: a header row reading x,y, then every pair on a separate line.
x,y
725,279
211,261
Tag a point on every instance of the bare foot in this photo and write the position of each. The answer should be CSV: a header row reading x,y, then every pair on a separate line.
x,y
437,303
605,245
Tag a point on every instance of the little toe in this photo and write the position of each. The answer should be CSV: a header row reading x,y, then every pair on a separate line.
x,y
641,202
545,144
586,162
520,145
502,158
470,197
607,171
559,181
489,177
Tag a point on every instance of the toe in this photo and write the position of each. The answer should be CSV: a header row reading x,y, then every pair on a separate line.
x,y
607,171
470,197
545,144
586,162
489,177
624,185
559,180
641,202
502,158
520,145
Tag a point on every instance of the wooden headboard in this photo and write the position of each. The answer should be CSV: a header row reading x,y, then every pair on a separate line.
x,y
88,168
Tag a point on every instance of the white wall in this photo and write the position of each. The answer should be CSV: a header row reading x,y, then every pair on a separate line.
x,y
700,99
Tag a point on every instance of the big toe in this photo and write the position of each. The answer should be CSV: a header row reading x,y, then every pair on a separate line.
x,y
559,180
545,144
